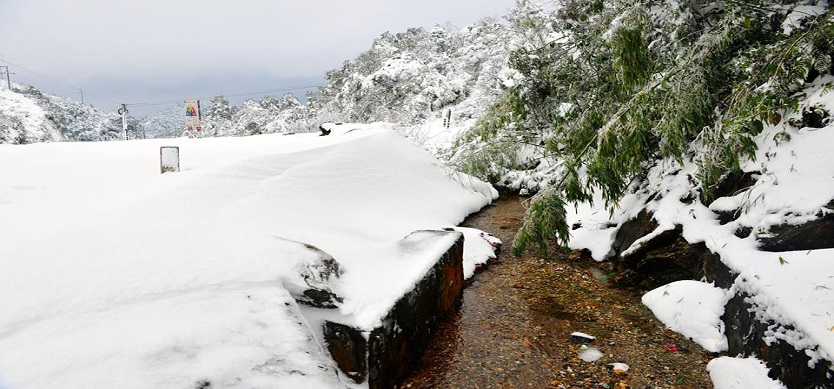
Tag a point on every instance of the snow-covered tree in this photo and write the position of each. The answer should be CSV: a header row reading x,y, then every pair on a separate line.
x,y
28,115
605,88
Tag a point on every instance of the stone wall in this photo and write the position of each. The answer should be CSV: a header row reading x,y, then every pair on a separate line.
x,y
387,354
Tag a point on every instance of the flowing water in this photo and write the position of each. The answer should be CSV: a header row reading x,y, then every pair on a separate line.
x,y
513,326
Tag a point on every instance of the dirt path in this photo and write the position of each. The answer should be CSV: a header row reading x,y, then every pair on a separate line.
x,y
514,324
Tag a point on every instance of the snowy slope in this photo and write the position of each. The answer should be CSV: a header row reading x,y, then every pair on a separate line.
x,y
28,115
793,185
23,121
113,275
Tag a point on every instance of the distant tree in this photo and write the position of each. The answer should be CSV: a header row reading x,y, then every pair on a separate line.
x,y
253,128
218,117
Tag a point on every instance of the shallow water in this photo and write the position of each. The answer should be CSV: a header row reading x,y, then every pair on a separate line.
x,y
512,328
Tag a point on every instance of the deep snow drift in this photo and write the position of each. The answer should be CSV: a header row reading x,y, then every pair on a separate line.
x,y
114,275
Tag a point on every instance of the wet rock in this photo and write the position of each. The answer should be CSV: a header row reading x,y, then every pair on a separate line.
x,y
310,281
320,298
666,258
717,272
735,183
732,185
746,337
618,368
632,230
580,255
816,234
347,347
815,117
581,338
743,232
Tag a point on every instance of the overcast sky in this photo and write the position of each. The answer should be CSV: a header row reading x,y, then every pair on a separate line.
x,y
149,50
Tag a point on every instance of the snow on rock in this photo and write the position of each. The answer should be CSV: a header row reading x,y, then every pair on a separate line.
x,y
693,309
619,367
113,275
478,248
581,337
792,291
310,279
741,373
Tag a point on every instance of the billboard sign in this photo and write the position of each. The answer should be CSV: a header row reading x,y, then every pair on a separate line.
x,y
193,127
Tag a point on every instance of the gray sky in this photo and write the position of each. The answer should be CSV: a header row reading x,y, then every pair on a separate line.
x,y
150,50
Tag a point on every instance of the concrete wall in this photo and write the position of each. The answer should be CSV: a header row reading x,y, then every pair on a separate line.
x,y
395,347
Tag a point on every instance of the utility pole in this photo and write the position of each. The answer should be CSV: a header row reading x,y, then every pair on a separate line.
x,y
82,95
123,111
5,70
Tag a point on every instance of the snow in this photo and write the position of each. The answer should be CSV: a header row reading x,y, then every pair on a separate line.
x,y
114,275
478,248
740,373
792,291
801,13
30,115
693,309
590,354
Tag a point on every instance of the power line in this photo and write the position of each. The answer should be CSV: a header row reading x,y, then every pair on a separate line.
x,y
162,102
58,81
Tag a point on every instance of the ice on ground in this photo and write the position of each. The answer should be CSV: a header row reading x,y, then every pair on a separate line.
x,y
741,373
114,275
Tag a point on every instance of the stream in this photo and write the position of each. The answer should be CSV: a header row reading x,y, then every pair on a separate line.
x,y
513,326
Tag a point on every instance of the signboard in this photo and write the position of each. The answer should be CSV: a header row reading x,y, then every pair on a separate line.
x,y
193,127
169,158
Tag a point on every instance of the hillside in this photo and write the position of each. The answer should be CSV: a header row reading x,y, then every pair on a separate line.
x,y
28,115
414,79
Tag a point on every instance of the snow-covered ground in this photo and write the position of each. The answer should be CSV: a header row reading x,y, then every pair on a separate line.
x,y
793,185
114,275
740,373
